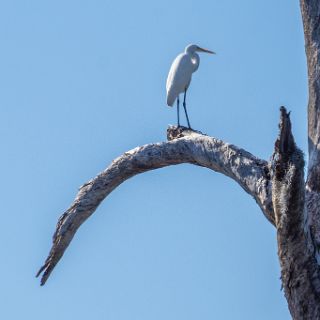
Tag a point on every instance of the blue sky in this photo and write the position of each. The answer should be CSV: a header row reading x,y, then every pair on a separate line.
x,y
84,81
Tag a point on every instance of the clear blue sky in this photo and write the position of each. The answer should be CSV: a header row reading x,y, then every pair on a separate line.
x,y
84,81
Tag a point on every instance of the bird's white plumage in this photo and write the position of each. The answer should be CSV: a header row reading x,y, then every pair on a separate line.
x,y
181,70
180,74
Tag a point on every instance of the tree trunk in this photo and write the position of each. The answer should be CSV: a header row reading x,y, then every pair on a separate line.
x,y
286,200
299,269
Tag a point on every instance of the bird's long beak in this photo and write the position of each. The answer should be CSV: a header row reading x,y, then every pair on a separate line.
x,y
205,50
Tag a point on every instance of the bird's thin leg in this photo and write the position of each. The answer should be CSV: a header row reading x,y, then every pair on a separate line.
x,y
178,102
185,107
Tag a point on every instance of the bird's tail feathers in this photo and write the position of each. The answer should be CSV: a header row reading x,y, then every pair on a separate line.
x,y
170,100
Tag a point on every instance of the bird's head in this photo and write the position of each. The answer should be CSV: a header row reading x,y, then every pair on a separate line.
x,y
192,48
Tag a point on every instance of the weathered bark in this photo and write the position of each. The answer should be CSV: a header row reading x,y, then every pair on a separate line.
x,y
299,269
184,146
310,10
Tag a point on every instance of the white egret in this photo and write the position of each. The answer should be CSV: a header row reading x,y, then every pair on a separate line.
x,y
180,74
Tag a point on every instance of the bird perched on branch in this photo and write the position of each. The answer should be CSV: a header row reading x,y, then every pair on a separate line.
x,y
180,74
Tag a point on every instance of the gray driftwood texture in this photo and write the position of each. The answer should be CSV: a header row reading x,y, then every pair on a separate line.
x,y
183,146
279,188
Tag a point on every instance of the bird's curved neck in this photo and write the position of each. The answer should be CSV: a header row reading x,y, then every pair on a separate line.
x,y
195,60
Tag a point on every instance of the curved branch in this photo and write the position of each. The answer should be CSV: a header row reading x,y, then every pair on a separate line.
x,y
184,146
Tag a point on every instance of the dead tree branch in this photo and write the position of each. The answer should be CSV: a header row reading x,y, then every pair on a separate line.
x,y
184,146
299,269
310,10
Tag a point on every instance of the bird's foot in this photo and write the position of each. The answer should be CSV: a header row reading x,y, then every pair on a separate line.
x,y
175,132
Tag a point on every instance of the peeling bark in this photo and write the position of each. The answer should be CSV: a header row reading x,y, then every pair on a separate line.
x,y
184,146
299,269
